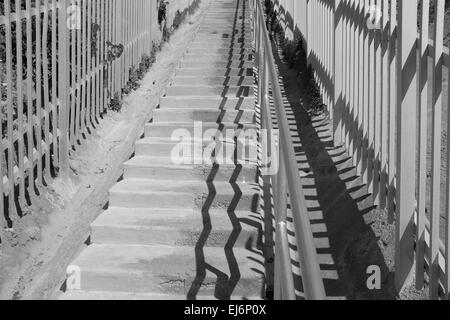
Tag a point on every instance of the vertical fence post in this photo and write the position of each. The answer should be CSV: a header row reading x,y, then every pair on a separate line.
x,y
385,101
365,94
422,102
392,110
377,111
371,96
360,100
337,48
308,31
20,108
447,230
437,81
63,91
9,117
406,124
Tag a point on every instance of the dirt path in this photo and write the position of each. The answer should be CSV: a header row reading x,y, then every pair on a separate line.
x,y
34,258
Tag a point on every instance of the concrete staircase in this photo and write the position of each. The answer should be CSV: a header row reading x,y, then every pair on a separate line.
x,y
176,229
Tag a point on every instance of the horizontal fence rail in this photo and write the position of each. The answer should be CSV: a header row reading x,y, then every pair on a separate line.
x,y
386,84
286,180
61,64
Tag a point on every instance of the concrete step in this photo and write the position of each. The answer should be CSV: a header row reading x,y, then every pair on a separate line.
x,y
205,115
80,295
230,22
219,51
178,228
220,45
171,270
224,33
238,17
218,57
206,91
184,148
212,24
206,71
162,168
214,81
168,130
216,64
206,103
131,296
222,38
146,193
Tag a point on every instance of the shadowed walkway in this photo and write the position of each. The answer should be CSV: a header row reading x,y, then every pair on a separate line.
x,y
341,209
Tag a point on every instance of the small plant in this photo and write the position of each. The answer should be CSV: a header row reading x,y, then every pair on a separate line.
x,y
95,30
136,75
114,51
166,34
181,15
145,64
162,12
316,105
296,58
290,53
116,103
138,72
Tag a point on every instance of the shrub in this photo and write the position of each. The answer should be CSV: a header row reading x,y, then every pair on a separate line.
x,y
116,103
162,11
136,75
295,56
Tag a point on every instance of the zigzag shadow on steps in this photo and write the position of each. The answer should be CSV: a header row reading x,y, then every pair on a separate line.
x,y
237,41
201,265
225,285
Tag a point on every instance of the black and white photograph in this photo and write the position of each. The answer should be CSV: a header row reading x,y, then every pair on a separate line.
x,y
225,156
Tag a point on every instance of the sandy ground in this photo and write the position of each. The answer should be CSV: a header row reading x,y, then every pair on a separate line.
x,y
34,257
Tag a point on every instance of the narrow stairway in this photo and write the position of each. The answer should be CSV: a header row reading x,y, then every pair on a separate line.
x,y
175,227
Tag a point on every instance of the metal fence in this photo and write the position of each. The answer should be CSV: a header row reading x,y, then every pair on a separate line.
x,y
382,67
61,63
286,180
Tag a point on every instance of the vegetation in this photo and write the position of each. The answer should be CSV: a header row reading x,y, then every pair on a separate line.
x,y
295,56
180,16
137,73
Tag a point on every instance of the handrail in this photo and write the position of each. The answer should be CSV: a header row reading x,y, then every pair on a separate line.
x,y
288,171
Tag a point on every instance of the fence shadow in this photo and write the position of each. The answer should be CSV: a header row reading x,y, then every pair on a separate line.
x,y
340,211
226,284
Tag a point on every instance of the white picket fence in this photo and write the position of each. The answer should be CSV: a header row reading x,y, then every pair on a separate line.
x,y
385,81
62,63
